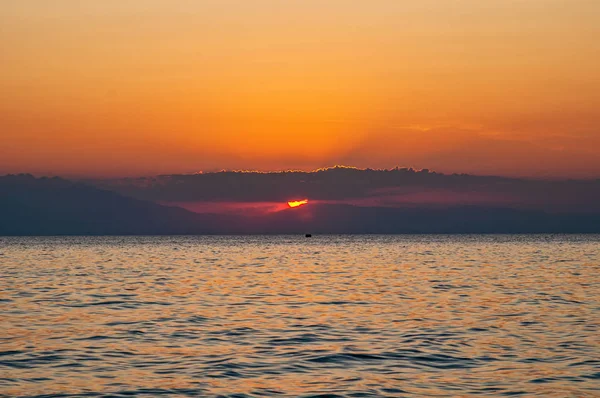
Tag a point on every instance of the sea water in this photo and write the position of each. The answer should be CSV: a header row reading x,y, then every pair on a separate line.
x,y
261,316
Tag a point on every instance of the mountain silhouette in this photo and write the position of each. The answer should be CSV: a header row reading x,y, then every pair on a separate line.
x,y
55,206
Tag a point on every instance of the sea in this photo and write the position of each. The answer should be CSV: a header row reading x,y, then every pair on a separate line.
x,y
290,316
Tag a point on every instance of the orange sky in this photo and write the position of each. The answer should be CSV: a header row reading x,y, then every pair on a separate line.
x,y
137,87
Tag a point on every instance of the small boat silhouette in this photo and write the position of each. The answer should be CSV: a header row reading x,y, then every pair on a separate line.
x,y
308,235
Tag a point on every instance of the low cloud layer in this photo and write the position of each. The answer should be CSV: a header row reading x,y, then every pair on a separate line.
x,y
231,191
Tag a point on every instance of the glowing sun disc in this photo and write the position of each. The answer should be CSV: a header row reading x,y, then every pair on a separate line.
x,y
297,203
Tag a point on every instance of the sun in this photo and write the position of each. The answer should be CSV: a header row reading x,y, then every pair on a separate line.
x,y
297,203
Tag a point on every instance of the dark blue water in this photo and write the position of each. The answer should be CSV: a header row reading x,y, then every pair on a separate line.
x,y
354,316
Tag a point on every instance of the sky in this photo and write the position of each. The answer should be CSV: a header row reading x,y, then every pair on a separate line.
x,y
141,87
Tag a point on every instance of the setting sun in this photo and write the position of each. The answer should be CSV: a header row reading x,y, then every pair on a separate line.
x,y
297,203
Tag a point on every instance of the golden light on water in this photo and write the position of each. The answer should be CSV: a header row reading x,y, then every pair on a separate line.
x,y
317,303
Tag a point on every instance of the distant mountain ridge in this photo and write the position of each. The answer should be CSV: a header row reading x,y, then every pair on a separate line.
x,y
55,206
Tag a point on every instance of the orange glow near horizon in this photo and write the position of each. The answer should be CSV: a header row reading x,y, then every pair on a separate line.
x,y
149,87
297,203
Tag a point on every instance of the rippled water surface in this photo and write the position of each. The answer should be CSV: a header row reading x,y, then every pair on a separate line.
x,y
351,316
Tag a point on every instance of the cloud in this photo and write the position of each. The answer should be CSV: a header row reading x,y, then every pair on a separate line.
x,y
264,192
531,150
234,208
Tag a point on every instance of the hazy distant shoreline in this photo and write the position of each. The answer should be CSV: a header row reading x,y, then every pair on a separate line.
x,y
341,201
